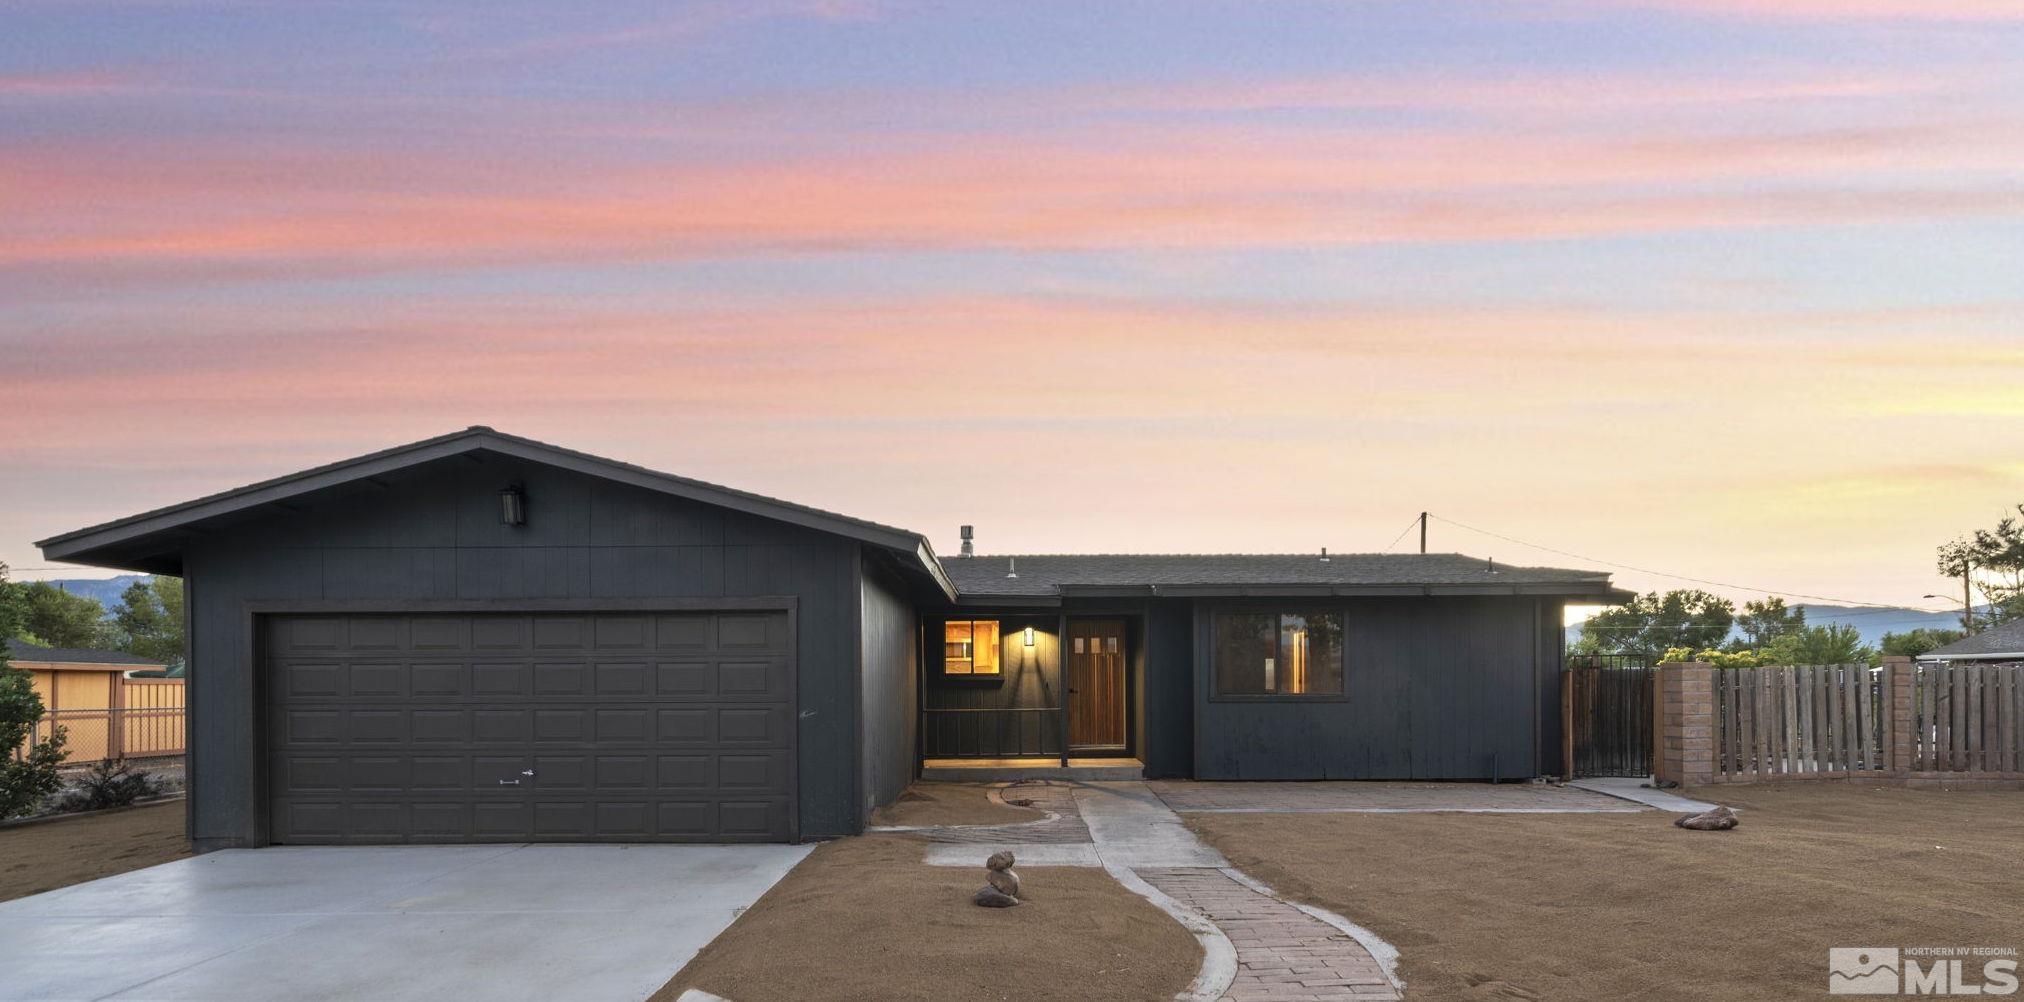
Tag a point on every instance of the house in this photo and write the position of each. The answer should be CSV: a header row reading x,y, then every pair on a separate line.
x,y
480,637
2004,642
82,690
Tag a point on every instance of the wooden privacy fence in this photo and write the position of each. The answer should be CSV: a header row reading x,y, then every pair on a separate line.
x,y
1803,720
1968,718
1919,724
145,721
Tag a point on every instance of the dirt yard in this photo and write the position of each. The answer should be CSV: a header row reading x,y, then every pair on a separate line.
x,y
1614,906
46,856
926,804
864,918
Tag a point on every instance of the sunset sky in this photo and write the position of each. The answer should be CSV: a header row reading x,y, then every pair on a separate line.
x,y
1729,289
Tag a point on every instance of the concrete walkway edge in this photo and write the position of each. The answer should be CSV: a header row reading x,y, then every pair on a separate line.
x,y
1386,955
1219,955
1633,789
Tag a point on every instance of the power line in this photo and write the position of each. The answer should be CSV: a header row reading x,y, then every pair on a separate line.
x,y
1682,577
1402,533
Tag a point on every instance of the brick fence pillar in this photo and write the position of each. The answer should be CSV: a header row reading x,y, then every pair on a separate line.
x,y
1686,714
1897,701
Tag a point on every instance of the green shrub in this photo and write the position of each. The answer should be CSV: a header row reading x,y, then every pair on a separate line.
x,y
28,780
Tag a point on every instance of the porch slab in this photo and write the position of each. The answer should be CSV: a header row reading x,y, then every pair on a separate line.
x,y
1007,770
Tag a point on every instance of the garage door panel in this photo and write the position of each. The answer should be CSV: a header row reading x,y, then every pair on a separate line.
x,y
634,727
562,633
561,679
622,678
448,680
754,726
309,679
502,679
614,633
500,726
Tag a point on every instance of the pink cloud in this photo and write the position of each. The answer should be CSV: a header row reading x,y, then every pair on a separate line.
x,y
1231,186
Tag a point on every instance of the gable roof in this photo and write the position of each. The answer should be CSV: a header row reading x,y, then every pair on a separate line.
x,y
1997,643
22,651
1048,575
124,542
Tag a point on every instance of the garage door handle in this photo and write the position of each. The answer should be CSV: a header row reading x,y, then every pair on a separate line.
x,y
509,782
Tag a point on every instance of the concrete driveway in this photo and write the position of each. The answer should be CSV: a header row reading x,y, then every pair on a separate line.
x,y
384,923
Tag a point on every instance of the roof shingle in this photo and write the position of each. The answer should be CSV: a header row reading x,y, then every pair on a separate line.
x,y
1996,642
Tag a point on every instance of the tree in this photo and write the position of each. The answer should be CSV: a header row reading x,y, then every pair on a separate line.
x,y
1832,644
61,619
13,607
1913,643
1992,562
1766,621
1649,625
30,778
149,618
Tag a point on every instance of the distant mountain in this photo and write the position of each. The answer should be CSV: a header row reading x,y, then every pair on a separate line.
x,y
1872,621
106,591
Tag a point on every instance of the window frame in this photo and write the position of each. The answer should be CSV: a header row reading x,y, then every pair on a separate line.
x,y
1277,611
971,678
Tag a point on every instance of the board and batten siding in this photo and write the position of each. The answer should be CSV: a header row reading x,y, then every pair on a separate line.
x,y
889,673
434,533
1434,688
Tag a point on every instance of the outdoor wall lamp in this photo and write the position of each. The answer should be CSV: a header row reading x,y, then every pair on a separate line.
x,y
513,506
1029,636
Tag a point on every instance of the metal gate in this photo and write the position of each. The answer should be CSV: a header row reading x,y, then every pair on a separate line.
x,y
1607,703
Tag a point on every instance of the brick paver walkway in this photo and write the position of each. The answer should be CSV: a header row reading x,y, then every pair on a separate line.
x,y
1283,953
1045,795
1188,796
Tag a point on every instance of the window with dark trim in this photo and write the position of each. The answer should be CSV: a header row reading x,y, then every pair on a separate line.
x,y
970,647
1277,653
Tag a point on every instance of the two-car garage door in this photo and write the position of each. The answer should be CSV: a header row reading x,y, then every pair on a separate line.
x,y
564,727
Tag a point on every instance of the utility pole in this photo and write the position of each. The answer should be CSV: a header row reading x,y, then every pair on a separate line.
x,y
1967,599
1423,533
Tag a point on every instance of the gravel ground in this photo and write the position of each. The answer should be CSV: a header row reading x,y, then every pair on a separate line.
x,y
1613,906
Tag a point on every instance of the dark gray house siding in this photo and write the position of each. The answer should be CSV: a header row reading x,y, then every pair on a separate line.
x,y
1167,742
889,673
1434,688
435,534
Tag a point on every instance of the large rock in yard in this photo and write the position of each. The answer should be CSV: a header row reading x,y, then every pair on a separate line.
x,y
1720,819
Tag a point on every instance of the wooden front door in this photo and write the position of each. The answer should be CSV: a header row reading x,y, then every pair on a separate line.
x,y
1096,685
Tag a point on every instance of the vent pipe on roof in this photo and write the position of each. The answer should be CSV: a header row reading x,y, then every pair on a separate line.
x,y
969,533
1324,554
1011,567
1492,564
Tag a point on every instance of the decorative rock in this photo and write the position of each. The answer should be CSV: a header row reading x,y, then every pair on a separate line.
x,y
991,897
1720,819
1003,891
1005,881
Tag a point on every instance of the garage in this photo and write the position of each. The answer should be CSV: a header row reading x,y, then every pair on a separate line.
x,y
480,637
501,727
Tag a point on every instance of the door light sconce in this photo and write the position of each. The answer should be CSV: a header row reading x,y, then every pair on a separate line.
x,y
513,506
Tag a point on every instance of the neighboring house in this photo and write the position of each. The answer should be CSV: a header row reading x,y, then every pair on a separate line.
x,y
79,687
480,637
1998,643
